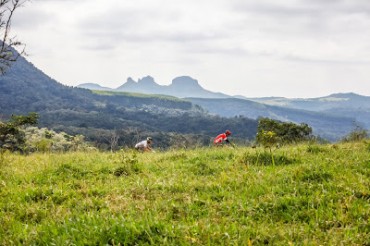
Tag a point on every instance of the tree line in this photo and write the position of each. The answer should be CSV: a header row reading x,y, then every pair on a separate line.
x,y
20,134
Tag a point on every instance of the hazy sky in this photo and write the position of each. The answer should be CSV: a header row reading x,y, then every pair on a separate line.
x,y
255,48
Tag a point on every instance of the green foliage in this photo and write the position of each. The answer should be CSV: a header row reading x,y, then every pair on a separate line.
x,y
206,196
45,140
12,136
22,120
268,139
135,96
270,132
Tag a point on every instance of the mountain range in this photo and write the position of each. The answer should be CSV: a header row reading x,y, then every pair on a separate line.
x,y
182,87
183,108
331,117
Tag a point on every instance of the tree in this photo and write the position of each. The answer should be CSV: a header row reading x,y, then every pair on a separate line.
x,y
113,139
286,132
11,135
8,55
268,139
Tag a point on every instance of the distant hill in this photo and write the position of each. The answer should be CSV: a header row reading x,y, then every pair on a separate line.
x,y
341,104
25,88
94,87
339,100
183,86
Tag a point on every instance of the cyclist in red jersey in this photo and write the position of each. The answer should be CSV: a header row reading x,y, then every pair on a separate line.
x,y
220,139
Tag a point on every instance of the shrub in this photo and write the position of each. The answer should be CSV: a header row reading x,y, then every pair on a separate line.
x,y
12,136
43,139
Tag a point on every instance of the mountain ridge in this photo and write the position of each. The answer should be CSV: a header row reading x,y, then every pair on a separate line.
x,y
192,84
180,87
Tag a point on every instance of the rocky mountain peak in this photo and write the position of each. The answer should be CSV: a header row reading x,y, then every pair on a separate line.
x,y
185,82
130,80
148,80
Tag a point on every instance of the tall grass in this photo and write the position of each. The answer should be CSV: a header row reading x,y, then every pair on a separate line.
x,y
313,195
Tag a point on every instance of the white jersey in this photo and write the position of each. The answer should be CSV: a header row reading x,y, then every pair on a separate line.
x,y
142,145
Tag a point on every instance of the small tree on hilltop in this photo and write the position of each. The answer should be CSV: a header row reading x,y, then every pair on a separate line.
x,y
286,132
268,139
271,133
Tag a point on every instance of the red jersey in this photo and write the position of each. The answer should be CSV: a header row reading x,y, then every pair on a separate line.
x,y
220,138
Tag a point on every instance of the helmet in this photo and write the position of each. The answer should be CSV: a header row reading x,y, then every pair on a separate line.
x,y
228,132
149,139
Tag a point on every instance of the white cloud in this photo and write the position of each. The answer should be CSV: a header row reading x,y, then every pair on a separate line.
x,y
256,47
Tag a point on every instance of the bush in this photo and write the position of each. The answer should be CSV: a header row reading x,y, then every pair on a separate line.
x,y
12,136
43,140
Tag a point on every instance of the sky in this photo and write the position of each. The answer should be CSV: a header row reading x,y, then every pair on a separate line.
x,y
254,48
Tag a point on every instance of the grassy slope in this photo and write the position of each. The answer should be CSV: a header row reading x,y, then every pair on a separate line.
x,y
313,195
137,95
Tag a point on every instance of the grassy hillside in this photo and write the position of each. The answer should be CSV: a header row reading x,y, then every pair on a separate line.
x,y
314,195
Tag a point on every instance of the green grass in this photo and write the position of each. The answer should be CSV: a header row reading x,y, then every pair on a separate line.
x,y
137,95
313,195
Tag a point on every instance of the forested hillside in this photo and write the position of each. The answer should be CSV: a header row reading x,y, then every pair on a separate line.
x,y
112,117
